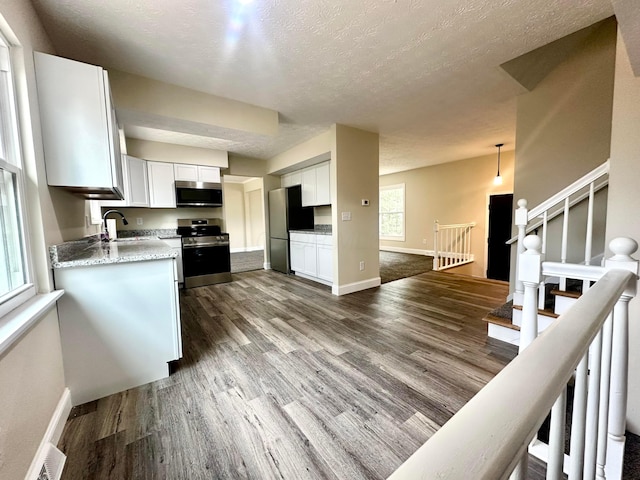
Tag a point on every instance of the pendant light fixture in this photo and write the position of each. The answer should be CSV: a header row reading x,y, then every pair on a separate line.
x,y
498,179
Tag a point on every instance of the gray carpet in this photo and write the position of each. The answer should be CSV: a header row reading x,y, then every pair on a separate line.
x,y
247,261
394,266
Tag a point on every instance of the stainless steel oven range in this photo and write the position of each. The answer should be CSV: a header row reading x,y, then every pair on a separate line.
x,y
205,252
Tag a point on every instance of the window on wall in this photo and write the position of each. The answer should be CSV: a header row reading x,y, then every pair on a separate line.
x,y
392,212
15,281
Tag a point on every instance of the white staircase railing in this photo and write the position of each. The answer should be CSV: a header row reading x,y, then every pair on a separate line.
x,y
559,204
589,342
452,245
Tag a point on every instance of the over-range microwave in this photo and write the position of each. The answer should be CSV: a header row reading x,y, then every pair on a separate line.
x,y
198,194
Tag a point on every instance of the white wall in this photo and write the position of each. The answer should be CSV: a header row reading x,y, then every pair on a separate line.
x,y
624,200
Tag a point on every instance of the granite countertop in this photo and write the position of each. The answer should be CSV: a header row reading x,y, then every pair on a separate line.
x,y
90,251
316,230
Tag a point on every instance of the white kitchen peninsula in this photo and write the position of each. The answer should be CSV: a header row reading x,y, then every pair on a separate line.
x,y
119,317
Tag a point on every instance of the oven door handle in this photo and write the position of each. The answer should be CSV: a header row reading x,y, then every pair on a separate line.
x,y
210,244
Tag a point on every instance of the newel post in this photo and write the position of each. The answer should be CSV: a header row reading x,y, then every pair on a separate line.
x,y
622,249
521,220
530,273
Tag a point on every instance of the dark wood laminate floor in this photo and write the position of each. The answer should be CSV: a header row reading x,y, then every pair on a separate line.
x,y
280,379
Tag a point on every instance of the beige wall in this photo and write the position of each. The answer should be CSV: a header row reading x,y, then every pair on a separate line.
x,y
563,126
305,154
32,379
235,215
456,192
624,200
153,218
31,372
355,173
171,153
563,130
157,99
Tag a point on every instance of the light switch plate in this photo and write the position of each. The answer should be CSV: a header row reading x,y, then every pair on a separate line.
x,y
346,216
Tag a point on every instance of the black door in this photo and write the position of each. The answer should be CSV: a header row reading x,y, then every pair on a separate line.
x,y
499,253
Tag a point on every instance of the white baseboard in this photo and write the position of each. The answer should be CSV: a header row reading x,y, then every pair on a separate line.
x,y
355,287
53,432
414,251
267,265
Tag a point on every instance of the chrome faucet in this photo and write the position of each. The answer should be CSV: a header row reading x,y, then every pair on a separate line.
x,y
105,232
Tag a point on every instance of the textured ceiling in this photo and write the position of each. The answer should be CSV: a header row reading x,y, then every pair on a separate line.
x,y
424,74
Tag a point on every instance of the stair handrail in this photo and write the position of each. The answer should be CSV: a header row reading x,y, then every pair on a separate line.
x,y
575,201
499,422
566,192
453,248
523,216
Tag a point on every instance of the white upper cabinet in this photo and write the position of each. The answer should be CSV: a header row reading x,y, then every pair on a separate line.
x,y
315,181
186,173
196,173
291,179
309,187
138,182
136,185
162,192
208,174
323,185
79,128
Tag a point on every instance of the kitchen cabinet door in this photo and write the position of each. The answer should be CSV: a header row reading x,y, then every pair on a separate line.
x,y
325,262
176,245
309,187
208,174
79,128
162,193
310,259
296,252
186,173
323,187
138,182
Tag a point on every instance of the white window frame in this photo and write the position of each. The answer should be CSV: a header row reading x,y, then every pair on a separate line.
x,y
14,164
398,238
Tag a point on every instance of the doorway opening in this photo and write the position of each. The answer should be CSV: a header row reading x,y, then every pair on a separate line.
x,y
499,232
245,222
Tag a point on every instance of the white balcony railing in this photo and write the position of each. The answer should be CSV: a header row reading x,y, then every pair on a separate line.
x,y
588,345
452,245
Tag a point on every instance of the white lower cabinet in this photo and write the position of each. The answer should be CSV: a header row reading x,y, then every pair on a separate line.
x,y
312,256
119,325
176,245
296,252
325,262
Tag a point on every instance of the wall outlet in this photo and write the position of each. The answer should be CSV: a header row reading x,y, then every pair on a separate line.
x,y
365,202
361,265
346,216
424,241
139,221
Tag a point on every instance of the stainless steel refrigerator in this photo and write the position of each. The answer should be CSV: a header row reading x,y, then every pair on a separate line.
x,y
285,213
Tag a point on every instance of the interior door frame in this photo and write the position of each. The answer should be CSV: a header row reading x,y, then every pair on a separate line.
x,y
486,225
